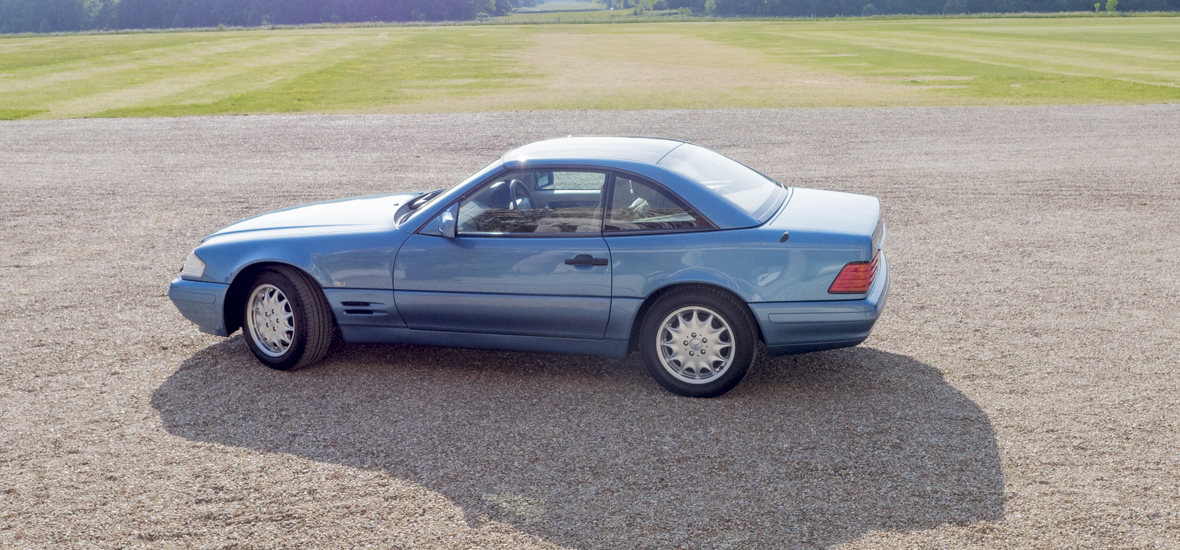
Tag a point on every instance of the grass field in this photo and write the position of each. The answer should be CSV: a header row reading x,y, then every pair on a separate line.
x,y
915,62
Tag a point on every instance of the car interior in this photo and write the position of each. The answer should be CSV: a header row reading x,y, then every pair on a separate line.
x,y
569,202
637,206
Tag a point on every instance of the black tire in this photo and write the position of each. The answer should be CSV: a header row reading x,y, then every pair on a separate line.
x,y
306,338
738,347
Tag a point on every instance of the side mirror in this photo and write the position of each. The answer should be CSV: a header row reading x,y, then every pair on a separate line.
x,y
446,223
443,224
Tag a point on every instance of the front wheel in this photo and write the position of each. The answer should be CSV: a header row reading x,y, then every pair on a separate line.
x,y
698,342
286,320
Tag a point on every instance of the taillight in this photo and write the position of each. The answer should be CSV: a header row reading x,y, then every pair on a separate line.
x,y
855,278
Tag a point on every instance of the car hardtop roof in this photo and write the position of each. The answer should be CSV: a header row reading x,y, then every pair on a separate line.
x,y
646,150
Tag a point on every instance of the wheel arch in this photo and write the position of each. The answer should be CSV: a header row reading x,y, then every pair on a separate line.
x,y
235,296
636,324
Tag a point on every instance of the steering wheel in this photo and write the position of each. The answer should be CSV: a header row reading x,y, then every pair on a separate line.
x,y
521,197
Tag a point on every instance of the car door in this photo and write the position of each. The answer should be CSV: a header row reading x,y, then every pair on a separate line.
x,y
513,265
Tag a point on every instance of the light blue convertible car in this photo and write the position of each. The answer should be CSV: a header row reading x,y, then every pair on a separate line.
x,y
579,245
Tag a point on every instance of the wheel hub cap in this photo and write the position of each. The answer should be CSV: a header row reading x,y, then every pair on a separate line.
x,y
695,344
270,320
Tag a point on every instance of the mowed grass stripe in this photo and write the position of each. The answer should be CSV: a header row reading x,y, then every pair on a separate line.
x,y
1048,70
609,68
1022,52
20,55
221,67
1073,59
636,66
402,69
997,69
122,73
117,77
224,77
167,54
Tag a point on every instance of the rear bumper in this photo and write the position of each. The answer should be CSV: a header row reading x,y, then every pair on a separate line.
x,y
201,303
799,327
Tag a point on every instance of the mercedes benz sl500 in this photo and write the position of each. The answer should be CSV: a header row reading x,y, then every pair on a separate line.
x,y
590,245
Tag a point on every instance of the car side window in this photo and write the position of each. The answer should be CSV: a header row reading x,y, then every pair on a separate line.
x,y
536,202
569,181
641,206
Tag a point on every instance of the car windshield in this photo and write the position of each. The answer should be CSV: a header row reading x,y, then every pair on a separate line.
x,y
746,188
417,203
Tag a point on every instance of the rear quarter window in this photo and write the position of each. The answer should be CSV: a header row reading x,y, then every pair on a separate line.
x,y
747,189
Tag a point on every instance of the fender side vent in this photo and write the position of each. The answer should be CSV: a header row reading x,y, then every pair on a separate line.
x,y
359,312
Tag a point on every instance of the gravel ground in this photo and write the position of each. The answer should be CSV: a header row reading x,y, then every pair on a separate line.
x,y
1019,391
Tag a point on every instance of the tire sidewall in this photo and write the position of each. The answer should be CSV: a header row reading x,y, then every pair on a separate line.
x,y
291,357
745,340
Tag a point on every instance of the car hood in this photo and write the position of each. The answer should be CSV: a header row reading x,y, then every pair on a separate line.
x,y
344,215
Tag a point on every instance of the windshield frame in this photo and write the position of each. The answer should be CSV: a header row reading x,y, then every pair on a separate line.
x,y
423,213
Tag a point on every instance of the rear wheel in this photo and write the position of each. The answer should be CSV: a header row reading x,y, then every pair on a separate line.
x,y
286,320
698,342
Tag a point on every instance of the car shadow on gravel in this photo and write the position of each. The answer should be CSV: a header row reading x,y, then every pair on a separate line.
x,y
810,450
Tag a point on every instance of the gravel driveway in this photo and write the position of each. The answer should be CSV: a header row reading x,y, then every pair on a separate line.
x,y
1019,391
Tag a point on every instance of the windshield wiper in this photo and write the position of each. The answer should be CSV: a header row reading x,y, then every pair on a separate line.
x,y
423,199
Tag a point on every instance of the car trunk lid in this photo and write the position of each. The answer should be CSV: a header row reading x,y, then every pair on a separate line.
x,y
846,218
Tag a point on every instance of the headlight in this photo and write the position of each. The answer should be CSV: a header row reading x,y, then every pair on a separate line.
x,y
193,267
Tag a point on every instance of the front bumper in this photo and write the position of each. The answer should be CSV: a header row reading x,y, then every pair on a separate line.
x,y
201,303
799,327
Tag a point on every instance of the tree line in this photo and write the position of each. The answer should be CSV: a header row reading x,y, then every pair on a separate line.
x,y
838,8
75,15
